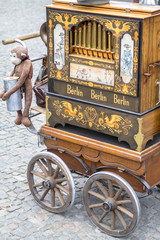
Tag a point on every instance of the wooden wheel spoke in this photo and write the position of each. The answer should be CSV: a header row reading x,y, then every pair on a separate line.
x,y
44,194
120,202
60,180
52,198
42,167
38,174
51,182
110,188
102,216
59,196
124,210
62,188
118,193
96,195
102,188
95,205
50,169
106,206
37,185
119,215
112,220
56,172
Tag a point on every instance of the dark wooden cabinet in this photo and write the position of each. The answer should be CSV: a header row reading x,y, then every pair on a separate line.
x,y
104,69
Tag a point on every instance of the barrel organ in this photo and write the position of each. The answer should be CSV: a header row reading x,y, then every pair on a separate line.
x,y
104,70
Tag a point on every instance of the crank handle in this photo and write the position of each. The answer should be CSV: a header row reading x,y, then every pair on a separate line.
x,y
157,82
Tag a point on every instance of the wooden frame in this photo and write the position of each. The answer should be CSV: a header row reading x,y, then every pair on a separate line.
x,y
96,154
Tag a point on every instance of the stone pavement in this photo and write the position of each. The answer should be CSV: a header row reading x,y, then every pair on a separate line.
x,y
20,217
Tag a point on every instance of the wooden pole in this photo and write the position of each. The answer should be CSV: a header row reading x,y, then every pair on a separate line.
x,y
29,36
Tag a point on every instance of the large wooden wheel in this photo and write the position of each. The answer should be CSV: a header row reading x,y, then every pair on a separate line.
x,y
111,204
50,182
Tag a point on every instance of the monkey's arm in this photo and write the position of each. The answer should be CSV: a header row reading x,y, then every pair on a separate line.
x,y
25,72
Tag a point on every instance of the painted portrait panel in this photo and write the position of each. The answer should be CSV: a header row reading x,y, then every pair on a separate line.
x,y
126,64
59,47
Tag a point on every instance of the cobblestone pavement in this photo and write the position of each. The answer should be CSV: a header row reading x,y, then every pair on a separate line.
x,y
20,216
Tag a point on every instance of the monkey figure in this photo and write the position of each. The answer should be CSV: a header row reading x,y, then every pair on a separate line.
x,y
24,70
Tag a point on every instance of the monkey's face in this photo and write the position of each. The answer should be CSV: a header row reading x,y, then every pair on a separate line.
x,y
14,59
18,54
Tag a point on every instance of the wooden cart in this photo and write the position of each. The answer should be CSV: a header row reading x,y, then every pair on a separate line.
x,y
114,172
88,114
103,68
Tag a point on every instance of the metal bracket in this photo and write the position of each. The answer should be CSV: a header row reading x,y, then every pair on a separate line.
x,y
132,174
41,141
47,136
92,2
32,129
79,159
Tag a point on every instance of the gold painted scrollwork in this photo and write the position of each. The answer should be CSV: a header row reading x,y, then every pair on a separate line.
x,y
90,84
48,113
92,63
128,89
135,60
90,117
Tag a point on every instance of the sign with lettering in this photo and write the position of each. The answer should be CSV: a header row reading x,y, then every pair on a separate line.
x,y
101,97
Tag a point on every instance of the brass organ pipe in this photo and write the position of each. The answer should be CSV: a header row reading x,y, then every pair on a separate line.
x,y
109,41
84,35
75,35
94,34
104,39
99,37
89,35
80,36
71,38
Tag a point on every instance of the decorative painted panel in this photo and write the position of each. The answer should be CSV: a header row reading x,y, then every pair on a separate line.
x,y
110,122
119,31
93,74
59,47
126,64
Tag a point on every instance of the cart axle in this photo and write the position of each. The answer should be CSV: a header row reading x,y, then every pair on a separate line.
x,y
107,206
47,184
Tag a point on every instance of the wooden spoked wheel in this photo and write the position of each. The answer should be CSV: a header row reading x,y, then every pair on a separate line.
x,y
50,182
111,204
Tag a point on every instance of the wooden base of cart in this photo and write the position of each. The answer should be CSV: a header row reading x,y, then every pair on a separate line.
x,y
98,155
114,171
